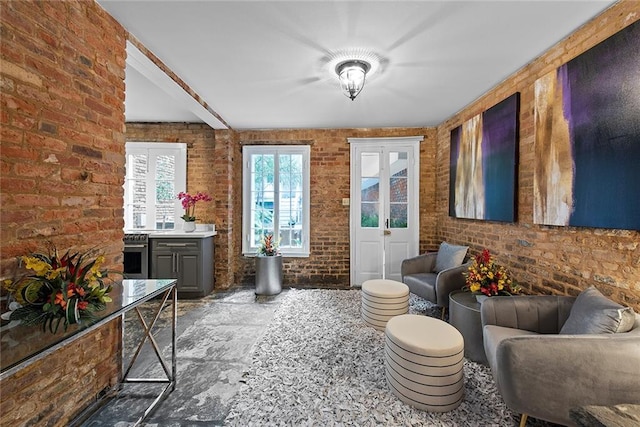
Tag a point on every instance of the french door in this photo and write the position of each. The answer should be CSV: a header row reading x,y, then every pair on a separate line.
x,y
384,203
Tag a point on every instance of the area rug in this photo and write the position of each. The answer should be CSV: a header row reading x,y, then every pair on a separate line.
x,y
318,364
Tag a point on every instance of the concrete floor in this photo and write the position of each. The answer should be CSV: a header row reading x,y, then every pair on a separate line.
x,y
215,338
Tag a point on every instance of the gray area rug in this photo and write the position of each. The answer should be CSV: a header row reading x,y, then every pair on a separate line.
x,y
319,364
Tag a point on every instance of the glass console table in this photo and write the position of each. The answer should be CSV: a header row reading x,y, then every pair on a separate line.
x,y
22,345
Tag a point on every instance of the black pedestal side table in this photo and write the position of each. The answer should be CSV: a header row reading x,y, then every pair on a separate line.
x,y
464,315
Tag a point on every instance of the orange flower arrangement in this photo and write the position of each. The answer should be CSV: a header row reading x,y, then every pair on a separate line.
x,y
67,289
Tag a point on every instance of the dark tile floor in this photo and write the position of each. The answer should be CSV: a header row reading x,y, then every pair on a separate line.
x,y
215,336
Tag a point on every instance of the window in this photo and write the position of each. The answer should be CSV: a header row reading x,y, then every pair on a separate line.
x,y
276,197
155,174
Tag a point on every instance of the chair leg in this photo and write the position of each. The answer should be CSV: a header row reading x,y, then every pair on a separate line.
x,y
444,310
523,420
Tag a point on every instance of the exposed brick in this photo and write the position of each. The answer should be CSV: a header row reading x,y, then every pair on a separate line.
x,y
49,128
40,106
86,151
20,73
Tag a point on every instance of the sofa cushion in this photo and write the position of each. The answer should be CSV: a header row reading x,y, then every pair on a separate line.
x,y
422,284
450,256
492,336
593,313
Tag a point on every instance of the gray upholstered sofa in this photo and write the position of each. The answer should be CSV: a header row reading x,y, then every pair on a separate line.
x,y
434,275
544,372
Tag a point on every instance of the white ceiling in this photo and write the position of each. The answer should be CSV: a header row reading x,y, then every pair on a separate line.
x,y
264,64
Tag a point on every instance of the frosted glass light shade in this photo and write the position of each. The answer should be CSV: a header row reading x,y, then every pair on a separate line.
x,y
352,76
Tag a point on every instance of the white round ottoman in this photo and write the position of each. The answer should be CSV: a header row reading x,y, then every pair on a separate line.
x,y
423,362
381,300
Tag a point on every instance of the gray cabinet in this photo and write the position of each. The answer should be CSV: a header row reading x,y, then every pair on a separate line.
x,y
188,260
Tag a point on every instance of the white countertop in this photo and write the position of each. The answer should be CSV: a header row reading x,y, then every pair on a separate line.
x,y
181,234
202,231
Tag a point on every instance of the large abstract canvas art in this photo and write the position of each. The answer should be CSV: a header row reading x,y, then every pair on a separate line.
x,y
483,164
587,138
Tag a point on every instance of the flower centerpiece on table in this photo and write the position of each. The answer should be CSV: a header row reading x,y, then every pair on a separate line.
x,y
268,247
64,289
189,204
488,278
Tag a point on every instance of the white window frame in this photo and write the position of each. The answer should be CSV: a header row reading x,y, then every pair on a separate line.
x,y
276,150
153,150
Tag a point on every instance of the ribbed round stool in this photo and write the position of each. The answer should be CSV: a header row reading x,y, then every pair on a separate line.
x,y
423,362
381,300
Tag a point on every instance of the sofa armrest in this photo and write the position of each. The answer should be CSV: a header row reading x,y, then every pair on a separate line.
x,y
548,375
449,280
424,263
544,314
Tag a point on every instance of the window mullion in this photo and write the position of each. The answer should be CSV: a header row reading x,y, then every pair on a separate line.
x,y
276,194
150,196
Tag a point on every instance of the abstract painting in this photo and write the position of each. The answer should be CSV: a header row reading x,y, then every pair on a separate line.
x,y
483,163
587,138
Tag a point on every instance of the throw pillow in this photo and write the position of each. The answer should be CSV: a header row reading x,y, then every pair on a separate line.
x,y
449,256
593,313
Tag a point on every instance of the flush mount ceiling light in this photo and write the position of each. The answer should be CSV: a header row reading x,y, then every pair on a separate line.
x,y
353,67
352,75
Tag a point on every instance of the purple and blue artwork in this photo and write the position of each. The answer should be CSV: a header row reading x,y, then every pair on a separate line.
x,y
483,164
587,138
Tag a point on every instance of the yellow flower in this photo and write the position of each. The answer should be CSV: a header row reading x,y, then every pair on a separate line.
x,y
53,274
40,267
95,270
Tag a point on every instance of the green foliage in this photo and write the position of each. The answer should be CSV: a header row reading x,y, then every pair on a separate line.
x,y
371,221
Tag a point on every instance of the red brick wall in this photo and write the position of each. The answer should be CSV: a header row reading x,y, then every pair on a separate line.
x,y
62,170
546,259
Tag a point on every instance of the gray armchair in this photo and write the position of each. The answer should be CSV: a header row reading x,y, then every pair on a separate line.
x,y
544,373
433,280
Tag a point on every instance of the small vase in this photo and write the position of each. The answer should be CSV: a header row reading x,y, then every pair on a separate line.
x,y
189,226
481,297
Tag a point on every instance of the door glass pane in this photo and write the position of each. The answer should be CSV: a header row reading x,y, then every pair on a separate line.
x,y
398,215
165,192
369,214
369,189
398,189
398,163
135,209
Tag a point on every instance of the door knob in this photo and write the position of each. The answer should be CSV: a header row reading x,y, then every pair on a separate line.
x,y
387,232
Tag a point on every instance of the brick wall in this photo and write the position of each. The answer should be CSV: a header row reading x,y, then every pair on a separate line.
x,y
546,259
62,170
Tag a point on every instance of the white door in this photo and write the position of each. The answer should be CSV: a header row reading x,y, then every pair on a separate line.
x,y
384,202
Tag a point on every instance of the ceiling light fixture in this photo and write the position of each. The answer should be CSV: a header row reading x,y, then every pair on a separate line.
x,y
352,74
